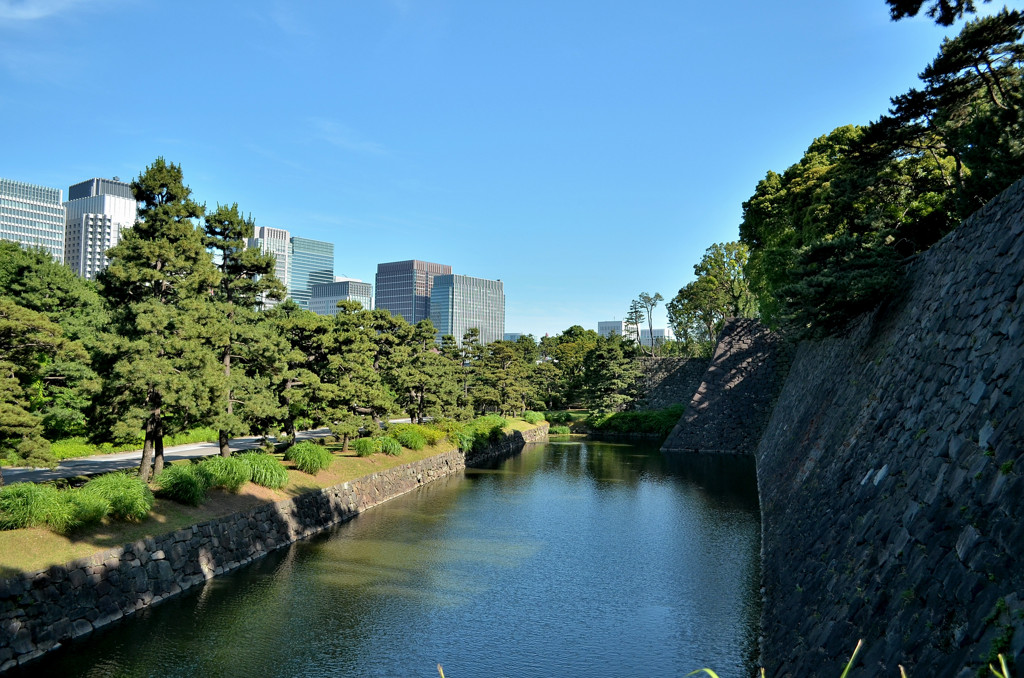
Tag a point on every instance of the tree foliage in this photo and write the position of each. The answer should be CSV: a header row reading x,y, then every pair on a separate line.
x,y
827,236
719,291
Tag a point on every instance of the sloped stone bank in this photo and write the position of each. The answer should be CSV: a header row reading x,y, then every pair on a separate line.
x,y
668,381
40,610
890,473
733,400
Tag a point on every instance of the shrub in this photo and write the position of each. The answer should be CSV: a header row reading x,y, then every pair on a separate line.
x,y
658,422
309,457
533,417
390,446
432,435
364,447
129,498
27,505
463,439
184,483
447,426
558,417
88,508
413,440
227,472
559,430
267,471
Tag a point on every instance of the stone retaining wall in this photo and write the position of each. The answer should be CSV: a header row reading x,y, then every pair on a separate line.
x,y
669,381
731,406
40,610
891,473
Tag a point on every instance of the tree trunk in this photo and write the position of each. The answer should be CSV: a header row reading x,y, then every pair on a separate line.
x,y
344,447
222,435
158,449
147,454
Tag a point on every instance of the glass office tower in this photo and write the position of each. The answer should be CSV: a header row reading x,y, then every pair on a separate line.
x,y
312,262
324,297
459,303
32,216
403,287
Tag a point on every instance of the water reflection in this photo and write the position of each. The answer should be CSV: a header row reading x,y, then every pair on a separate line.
x,y
583,559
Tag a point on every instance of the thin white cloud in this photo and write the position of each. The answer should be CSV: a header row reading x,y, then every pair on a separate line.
x,y
283,16
344,137
33,10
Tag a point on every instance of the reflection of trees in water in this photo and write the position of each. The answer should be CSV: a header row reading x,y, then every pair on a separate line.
x,y
726,481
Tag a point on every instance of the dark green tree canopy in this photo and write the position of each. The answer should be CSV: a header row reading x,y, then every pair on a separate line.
x,y
945,12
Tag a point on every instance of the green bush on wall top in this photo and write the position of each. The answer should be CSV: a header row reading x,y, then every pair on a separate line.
x,y
37,505
267,471
390,446
413,440
309,457
533,417
231,473
365,447
129,498
184,483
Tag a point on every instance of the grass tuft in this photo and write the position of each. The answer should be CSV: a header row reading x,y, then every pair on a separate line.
x,y
309,457
184,483
365,447
231,473
267,471
128,497
392,447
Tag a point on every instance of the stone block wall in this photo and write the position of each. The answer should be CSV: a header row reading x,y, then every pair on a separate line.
x,y
40,610
669,381
890,473
734,400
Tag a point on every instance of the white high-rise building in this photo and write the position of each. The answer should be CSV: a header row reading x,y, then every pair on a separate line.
x,y
32,216
661,336
276,241
97,213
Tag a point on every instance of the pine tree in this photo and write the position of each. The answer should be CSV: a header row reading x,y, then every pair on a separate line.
x,y
162,375
246,278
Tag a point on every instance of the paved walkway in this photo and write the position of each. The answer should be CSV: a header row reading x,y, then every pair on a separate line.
x,y
102,463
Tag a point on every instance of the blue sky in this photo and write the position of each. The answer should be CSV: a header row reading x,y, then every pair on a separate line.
x,y
582,152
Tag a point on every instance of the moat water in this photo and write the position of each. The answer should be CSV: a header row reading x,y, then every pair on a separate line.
x,y
570,559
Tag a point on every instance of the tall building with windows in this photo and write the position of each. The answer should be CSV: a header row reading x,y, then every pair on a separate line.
x,y
459,303
97,213
662,335
404,287
607,328
324,297
311,263
276,241
32,216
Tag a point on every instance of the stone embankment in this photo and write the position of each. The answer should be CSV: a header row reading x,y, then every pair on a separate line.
x,y
730,407
668,381
890,473
41,610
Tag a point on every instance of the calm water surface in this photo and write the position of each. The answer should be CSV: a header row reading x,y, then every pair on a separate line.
x,y
572,559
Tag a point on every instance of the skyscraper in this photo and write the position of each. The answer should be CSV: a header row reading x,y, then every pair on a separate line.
x,y
33,216
311,263
459,303
324,297
276,241
97,212
403,287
